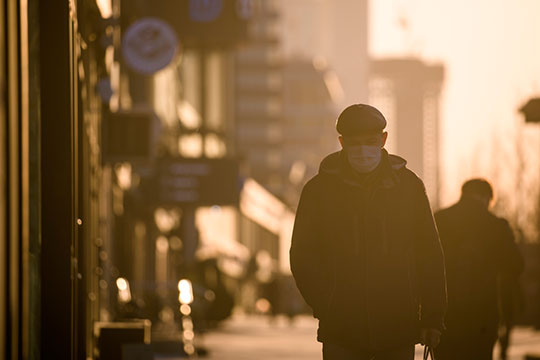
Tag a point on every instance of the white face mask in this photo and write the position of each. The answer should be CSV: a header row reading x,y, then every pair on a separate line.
x,y
363,158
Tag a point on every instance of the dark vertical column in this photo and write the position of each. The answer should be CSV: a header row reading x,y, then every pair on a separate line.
x,y
34,196
3,191
13,196
57,181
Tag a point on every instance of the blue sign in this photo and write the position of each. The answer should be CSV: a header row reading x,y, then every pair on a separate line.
x,y
205,10
149,45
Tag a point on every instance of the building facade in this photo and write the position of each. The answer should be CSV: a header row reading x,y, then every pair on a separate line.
x,y
310,95
258,98
408,92
336,31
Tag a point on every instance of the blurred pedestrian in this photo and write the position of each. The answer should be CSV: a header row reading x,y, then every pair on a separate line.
x,y
365,252
479,247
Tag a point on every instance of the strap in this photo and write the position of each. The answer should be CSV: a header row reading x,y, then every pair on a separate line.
x,y
428,352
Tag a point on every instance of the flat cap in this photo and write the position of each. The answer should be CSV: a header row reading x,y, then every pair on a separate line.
x,y
358,119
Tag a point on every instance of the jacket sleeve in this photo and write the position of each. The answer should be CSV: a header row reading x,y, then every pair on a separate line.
x,y
430,266
306,252
510,261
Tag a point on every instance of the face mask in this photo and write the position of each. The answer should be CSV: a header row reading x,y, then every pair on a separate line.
x,y
364,158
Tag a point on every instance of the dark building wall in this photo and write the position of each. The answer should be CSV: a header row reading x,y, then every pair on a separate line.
x,y
58,202
19,180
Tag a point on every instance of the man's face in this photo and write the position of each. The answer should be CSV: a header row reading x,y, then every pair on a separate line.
x,y
368,139
482,199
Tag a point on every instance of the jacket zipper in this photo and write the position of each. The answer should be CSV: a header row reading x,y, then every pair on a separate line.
x,y
371,337
366,295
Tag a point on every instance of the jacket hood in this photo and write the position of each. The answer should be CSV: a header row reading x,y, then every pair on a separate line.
x,y
336,165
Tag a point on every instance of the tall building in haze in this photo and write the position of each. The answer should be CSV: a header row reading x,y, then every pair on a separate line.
x,y
407,91
285,108
258,98
310,90
336,31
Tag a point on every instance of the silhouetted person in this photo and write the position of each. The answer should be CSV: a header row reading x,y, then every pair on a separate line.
x,y
365,251
478,248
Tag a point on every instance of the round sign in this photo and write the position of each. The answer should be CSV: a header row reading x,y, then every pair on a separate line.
x,y
149,45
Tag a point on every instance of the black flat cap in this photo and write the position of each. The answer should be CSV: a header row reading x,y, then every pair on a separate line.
x,y
360,119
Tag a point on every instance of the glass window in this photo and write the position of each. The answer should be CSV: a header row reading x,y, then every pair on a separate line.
x,y
215,90
190,79
214,146
190,145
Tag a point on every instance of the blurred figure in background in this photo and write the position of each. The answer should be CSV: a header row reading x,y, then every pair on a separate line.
x,y
365,252
479,248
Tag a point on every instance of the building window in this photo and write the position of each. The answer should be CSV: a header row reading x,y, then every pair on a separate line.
x,y
190,79
381,96
214,146
190,146
216,91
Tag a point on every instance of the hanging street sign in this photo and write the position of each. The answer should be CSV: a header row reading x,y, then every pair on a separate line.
x,y
149,45
197,182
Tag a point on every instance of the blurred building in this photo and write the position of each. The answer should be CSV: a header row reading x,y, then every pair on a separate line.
x,y
310,93
283,107
336,31
219,103
407,91
259,107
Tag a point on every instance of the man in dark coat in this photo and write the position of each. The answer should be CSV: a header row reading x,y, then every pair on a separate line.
x,y
365,251
479,247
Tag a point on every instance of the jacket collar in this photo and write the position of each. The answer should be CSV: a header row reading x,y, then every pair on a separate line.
x,y
336,165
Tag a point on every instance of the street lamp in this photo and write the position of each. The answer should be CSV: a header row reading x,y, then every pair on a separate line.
x,y
185,297
124,292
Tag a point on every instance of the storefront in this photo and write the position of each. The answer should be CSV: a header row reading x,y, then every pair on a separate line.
x,y
68,218
50,170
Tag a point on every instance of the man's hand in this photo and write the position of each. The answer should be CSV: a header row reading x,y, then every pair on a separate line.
x,y
430,337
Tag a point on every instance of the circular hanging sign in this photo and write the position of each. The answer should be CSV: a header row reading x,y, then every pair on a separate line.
x,y
149,45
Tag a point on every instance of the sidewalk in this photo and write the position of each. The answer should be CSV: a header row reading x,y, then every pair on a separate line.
x,y
254,337
249,338
524,341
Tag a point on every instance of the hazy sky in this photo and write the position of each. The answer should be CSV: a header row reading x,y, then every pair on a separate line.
x,y
491,51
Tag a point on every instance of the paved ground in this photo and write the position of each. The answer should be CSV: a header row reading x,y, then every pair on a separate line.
x,y
254,338
524,341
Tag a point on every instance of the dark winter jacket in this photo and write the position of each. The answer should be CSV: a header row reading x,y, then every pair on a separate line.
x,y
478,248
366,255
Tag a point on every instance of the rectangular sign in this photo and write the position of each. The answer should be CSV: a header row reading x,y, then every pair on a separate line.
x,y
128,135
201,182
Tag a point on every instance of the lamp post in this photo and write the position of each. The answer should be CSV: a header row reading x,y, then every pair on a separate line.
x,y
185,298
